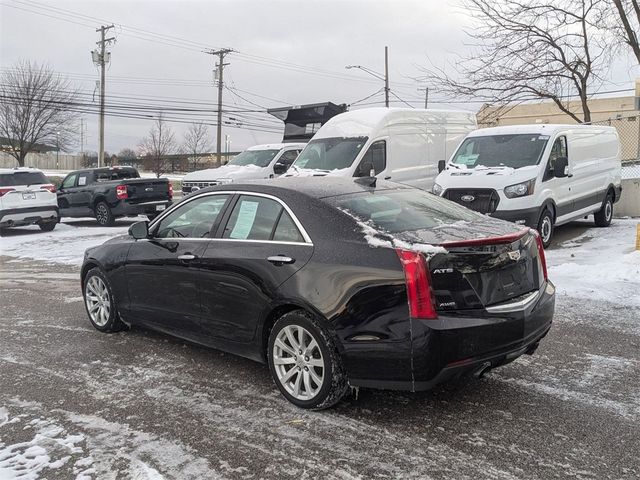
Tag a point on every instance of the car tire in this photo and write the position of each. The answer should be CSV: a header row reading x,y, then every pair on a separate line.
x,y
545,227
47,226
103,214
603,216
304,362
100,303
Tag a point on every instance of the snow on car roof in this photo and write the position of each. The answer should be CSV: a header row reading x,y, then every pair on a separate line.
x,y
276,146
5,171
534,128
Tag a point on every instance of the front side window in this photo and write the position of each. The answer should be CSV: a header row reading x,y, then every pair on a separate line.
x,y
259,158
259,218
70,181
287,158
375,157
327,154
559,149
193,219
514,151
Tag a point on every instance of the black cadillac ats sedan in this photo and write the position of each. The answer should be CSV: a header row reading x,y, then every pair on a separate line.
x,y
332,282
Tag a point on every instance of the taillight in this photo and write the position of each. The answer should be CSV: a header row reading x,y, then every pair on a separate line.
x,y
50,187
170,190
418,281
543,260
121,192
5,190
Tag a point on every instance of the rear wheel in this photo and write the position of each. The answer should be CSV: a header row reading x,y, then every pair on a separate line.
x,y
603,216
545,227
100,302
304,362
103,213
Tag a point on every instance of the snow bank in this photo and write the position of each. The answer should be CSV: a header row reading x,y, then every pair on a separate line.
x,y
66,244
601,264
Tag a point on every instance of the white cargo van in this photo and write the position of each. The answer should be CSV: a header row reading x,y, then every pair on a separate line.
x,y
255,163
400,144
536,175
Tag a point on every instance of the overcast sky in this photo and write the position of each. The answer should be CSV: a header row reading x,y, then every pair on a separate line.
x,y
292,52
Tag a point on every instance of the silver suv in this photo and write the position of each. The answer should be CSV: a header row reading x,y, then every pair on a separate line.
x,y
26,198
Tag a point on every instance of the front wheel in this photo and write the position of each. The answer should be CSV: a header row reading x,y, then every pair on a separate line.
x,y
103,213
545,227
100,302
304,362
603,216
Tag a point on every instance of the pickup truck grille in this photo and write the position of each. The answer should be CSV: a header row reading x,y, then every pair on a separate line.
x,y
188,187
479,200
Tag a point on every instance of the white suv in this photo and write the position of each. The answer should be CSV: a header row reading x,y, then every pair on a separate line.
x,y
26,198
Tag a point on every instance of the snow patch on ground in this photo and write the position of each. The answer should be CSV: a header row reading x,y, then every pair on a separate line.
x,y
601,264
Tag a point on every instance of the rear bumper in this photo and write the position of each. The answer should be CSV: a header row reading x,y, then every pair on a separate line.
x,y
468,342
154,207
28,215
525,216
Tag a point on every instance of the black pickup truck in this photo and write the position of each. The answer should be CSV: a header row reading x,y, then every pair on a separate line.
x,y
111,192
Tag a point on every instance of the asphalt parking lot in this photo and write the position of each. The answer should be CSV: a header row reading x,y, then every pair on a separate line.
x,y
75,403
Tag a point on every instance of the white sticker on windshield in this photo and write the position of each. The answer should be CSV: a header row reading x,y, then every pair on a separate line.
x,y
244,222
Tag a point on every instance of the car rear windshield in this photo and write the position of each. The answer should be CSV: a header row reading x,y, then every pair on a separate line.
x,y
407,210
22,178
513,151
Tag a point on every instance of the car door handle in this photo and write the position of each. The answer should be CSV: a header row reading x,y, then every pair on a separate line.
x,y
280,259
186,257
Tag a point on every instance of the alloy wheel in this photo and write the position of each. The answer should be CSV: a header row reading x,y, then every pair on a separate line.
x,y
298,362
101,214
98,301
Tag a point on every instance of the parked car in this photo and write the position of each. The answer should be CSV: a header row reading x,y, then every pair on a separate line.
x,y
27,197
112,192
255,163
333,282
399,144
537,175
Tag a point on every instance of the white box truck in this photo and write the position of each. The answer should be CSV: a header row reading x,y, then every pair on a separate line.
x,y
538,175
400,144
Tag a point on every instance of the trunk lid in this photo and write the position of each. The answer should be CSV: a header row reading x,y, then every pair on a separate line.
x,y
146,189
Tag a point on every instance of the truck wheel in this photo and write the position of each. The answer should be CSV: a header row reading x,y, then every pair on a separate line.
x,y
545,227
603,216
104,216
47,226
305,363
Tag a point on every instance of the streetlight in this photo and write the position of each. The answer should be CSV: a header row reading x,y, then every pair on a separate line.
x,y
377,75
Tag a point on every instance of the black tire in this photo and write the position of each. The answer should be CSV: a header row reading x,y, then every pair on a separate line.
x,y
334,383
545,227
603,216
103,214
112,322
47,226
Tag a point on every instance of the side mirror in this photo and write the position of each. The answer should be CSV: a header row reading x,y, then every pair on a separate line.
x,y
560,167
280,168
139,230
441,165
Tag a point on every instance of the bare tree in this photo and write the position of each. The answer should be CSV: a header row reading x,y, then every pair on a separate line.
x,y
196,142
127,156
628,13
529,50
36,107
157,146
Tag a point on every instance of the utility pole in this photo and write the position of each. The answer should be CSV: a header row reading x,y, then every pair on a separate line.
x,y
220,66
426,96
100,58
386,76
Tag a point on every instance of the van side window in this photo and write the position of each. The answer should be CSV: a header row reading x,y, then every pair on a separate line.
x,y
558,150
376,156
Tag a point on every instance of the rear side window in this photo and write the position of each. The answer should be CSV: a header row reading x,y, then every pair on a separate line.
x,y
83,179
397,211
22,178
116,174
286,230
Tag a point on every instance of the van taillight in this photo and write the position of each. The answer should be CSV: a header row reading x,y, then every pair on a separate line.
x,y
5,190
418,281
170,190
121,192
50,187
543,260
